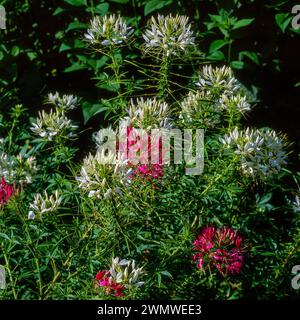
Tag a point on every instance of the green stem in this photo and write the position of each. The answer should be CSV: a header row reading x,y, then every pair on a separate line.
x,y
163,84
229,52
92,8
9,274
118,78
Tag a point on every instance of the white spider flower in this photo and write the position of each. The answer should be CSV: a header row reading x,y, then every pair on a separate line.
x,y
261,152
43,203
31,215
108,30
8,169
168,36
235,102
64,103
126,273
104,135
200,109
296,204
148,113
95,173
18,168
218,80
55,123
26,168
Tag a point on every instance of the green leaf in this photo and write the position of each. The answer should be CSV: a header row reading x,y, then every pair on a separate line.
x,y
4,236
79,44
102,8
283,20
119,1
266,254
217,56
58,11
249,54
242,23
101,62
237,64
167,273
64,47
89,110
154,5
110,85
216,45
75,67
31,55
15,51
76,25
76,3
217,19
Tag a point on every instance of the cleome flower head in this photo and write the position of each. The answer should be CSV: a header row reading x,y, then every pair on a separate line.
x,y
44,204
261,152
53,124
6,192
168,35
200,109
64,103
123,275
20,168
7,167
218,80
102,175
296,204
108,30
219,248
148,113
236,103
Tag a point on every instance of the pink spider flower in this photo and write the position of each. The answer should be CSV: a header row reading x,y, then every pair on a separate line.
x,y
144,168
220,248
104,280
6,192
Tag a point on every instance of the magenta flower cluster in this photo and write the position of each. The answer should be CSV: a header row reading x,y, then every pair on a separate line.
x,y
219,248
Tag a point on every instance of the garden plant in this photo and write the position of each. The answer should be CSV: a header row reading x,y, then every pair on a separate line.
x,y
79,219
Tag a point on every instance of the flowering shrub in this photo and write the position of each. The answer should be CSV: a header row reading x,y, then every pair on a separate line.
x,y
85,200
